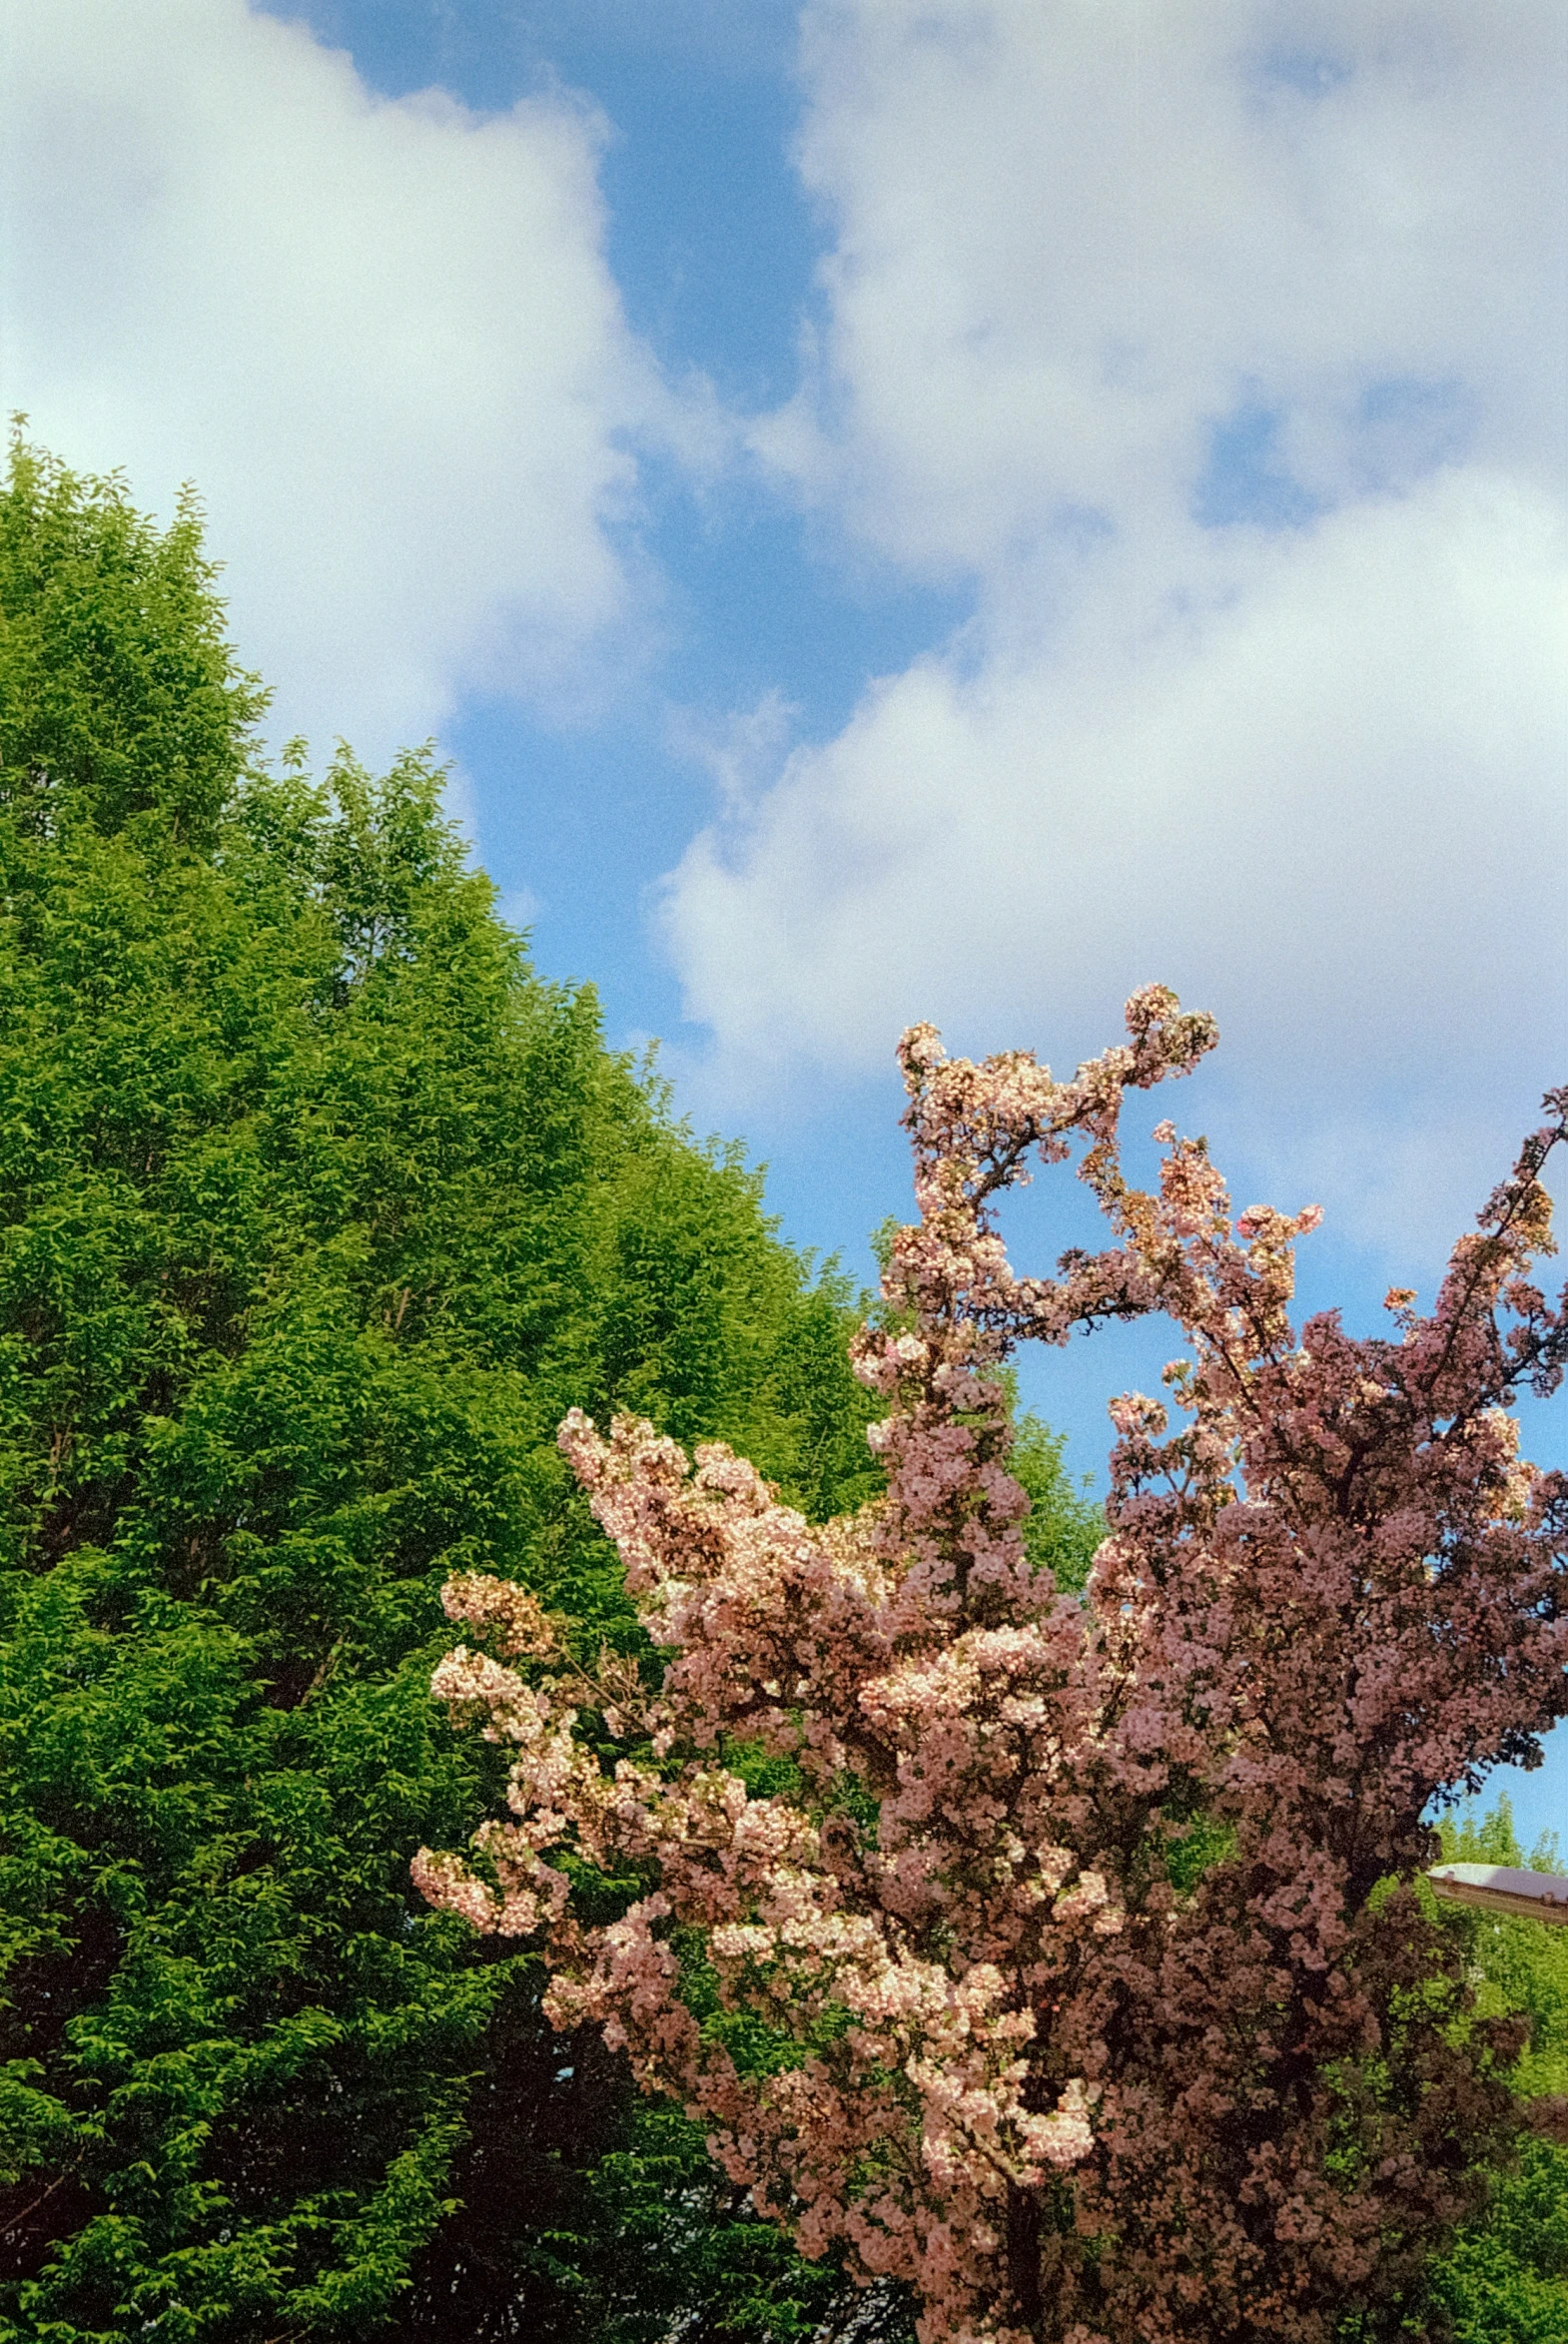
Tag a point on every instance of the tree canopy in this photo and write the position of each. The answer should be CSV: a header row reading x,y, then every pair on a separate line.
x,y
318,1208
951,1982
1504,2279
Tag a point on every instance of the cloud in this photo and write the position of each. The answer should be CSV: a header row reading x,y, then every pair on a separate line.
x,y
1071,240
1359,744
1219,370
379,336
739,751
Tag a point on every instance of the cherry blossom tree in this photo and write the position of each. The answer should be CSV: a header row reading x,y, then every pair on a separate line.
x,y
1064,1959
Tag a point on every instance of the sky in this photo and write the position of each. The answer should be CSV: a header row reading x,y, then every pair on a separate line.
x,y
895,509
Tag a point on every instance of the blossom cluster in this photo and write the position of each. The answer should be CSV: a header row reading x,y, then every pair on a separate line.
x,y
1100,2002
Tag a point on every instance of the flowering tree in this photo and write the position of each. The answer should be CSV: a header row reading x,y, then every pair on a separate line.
x,y
1067,1962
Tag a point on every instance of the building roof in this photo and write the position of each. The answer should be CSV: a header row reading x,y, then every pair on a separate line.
x,y
1504,1888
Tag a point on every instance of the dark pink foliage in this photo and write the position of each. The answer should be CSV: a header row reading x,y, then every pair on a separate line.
x,y
1114,2013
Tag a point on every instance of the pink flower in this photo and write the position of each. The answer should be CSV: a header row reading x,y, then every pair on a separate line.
x,y
1071,1932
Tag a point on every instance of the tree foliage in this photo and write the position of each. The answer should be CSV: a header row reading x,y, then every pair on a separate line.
x,y
1067,1962
1504,2280
318,1208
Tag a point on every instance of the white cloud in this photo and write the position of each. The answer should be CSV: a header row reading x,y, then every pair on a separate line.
x,y
379,336
739,751
1323,801
1105,270
1070,235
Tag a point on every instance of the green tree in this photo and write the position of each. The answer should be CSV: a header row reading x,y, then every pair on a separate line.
x,y
1063,1525
318,1208
1505,2280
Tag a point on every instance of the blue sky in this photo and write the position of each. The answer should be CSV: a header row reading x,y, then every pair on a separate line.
x,y
894,510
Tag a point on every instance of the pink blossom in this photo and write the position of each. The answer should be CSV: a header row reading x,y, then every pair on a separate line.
x,y
1071,2084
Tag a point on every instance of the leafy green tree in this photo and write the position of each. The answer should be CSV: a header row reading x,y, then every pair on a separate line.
x,y
1063,1525
318,1208
1505,2280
